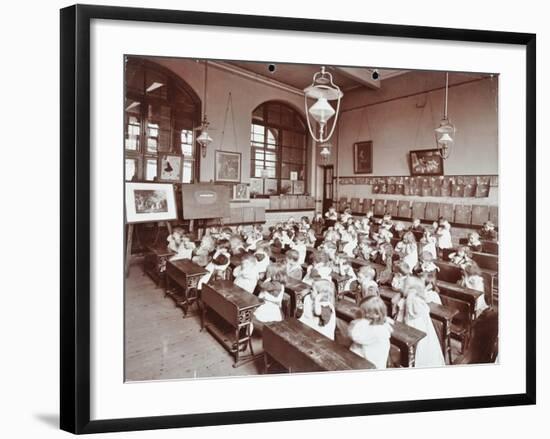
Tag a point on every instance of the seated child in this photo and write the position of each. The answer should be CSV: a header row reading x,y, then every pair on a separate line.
x,y
331,214
318,223
318,308
402,272
184,249
371,333
488,231
174,239
299,245
426,263
416,226
349,241
253,237
443,235
399,230
473,242
225,233
414,311
215,269
293,266
428,243
365,250
331,235
203,251
237,245
319,267
344,268
304,224
246,274
387,222
364,226
346,215
431,292
407,250
311,237
330,249
262,255
367,285
271,293
471,278
462,256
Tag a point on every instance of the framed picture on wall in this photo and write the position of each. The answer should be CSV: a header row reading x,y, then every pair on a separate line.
x,y
362,157
148,202
170,168
425,162
241,192
227,166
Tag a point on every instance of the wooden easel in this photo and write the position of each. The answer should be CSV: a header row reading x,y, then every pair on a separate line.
x,y
129,239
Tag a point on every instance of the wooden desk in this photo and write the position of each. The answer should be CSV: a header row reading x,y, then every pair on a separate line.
x,y
234,305
185,275
299,348
486,260
340,282
154,262
452,273
490,247
297,290
404,337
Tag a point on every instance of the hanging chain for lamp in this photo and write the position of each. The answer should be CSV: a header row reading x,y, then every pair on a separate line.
x,y
204,138
228,108
323,90
446,130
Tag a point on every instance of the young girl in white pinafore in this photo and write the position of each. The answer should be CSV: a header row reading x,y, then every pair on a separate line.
x,y
371,334
444,239
246,274
407,250
428,243
319,312
414,311
471,278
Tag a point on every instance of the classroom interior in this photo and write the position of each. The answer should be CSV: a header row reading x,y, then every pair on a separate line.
x,y
206,115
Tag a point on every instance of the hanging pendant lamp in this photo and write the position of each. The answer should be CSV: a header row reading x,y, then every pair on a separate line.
x,y
323,90
204,138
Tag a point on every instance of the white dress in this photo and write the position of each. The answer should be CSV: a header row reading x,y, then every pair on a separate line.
x,y
428,350
311,319
246,279
444,239
302,251
270,310
476,283
429,246
371,341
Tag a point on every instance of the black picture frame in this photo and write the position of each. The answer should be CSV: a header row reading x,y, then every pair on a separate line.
x,y
362,157
417,170
75,217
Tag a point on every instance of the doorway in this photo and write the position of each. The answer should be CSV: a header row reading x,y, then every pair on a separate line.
x,y
328,186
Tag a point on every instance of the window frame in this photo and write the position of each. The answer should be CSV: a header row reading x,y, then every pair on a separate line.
x,y
264,147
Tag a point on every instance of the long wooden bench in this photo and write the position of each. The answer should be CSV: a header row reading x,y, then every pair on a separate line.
x,y
299,348
452,273
404,337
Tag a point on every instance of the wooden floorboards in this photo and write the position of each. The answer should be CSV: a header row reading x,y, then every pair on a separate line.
x,y
161,345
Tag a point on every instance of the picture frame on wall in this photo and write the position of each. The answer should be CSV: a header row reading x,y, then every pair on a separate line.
x,y
170,167
150,202
94,395
241,192
425,162
362,157
227,166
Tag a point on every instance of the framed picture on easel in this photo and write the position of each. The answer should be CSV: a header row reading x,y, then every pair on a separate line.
x,y
148,202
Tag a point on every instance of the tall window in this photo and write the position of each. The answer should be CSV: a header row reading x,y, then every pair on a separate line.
x,y
278,150
161,111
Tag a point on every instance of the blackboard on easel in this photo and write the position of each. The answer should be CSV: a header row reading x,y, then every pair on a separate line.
x,y
206,201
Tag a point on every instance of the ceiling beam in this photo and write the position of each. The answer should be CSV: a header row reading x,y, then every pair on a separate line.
x,y
361,75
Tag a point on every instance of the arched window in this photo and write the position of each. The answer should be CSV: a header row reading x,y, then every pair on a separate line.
x,y
160,112
278,150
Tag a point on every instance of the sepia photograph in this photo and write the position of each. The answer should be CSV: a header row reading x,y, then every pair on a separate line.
x,y
338,262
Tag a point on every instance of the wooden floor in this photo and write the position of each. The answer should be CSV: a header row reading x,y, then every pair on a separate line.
x,y
161,345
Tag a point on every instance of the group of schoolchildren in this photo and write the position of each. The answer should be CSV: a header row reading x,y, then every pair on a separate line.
x,y
333,240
